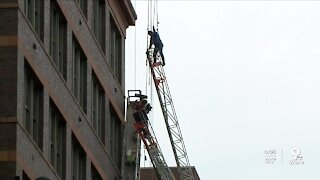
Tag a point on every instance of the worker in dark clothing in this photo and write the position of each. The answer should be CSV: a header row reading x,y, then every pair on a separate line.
x,y
156,41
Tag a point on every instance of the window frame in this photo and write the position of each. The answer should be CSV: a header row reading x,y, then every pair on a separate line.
x,y
98,22
116,50
79,74
33,101
98,107
78,160
58,40
34,11
57,140
116,136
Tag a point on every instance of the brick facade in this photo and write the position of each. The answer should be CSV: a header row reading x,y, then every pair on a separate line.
x,y
20,45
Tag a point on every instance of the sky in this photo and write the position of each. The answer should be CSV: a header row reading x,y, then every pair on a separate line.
x,y
245,81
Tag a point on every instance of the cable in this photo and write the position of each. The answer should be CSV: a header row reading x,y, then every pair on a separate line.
x,y
147,51
149,14
157,10
135,51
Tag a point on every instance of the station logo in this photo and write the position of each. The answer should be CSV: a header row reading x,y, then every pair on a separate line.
x,y
297,158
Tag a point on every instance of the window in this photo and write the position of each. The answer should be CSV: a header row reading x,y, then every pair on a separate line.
x,y
25,176
98,107
83,6
79,69
94,173
33,97
115,137
57,140
58,38
116,51
78,160
34,12
98,22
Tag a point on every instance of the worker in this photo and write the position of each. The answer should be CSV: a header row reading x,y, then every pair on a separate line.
x,y
146,106
158,46
143,108
143,105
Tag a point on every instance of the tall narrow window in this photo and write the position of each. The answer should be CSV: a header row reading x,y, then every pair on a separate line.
x,y
58,38
98,22
115,137
78,157
34,12
116,51
57,140
94,173
98,107
79,74
33,95
83,4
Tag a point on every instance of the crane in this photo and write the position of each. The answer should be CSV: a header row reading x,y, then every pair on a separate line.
x,y
170,117
140,107
156,62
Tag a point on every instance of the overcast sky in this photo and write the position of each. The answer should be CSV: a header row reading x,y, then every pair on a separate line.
x,y
244,77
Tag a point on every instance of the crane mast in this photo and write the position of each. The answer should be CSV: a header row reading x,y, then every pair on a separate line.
x,y
169,114
156,62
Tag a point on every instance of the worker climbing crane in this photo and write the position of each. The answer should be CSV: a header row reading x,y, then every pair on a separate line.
x,y
156,61
160,81
140,108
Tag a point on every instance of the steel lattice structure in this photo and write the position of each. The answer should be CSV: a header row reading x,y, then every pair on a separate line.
x,y
169,114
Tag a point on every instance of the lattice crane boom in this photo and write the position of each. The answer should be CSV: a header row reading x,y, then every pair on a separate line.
x,y
169,114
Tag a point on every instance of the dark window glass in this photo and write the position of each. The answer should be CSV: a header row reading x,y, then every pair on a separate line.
x,y
58,38
79,68
33,97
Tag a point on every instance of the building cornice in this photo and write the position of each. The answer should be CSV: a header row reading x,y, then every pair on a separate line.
x,y
129,12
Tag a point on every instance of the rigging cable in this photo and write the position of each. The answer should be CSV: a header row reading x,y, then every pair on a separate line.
x,y
156,14
153,13
149,86
148,28
149,14
135,51
152,9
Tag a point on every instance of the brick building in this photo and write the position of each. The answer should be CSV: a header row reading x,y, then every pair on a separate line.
x,y
62,88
